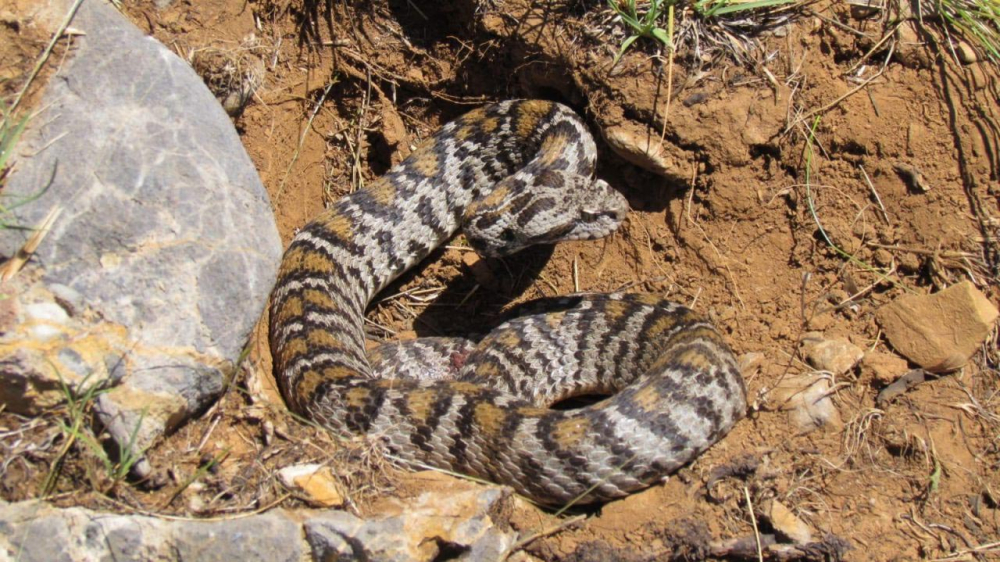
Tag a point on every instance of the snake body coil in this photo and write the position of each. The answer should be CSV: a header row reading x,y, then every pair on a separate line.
x,y
510,175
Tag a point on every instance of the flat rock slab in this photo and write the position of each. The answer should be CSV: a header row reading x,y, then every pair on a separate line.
x,y
939,332
36,532
166,247
424,527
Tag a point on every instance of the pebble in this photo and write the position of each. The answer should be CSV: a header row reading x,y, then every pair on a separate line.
x,y
966,53
836,355
787,523
315,482
808,402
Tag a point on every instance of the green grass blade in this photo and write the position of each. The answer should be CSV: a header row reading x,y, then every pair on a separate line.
x,y
723,8
662,35
625,45
10,131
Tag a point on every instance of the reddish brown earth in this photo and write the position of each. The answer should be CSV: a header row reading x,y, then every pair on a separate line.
x,y
726,227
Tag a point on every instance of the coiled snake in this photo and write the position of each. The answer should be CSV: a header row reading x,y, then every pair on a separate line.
x,y
510,175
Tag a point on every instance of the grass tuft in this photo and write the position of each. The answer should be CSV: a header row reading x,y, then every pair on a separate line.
x,y
977,20
79,402
731,20
641,25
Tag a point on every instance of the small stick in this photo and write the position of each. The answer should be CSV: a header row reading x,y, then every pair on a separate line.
x,y
302,138
243,515
836,23
468,295
753,519
45,54
878,199
548,531
694,301
576,276
13,265
208,434
670,72
882,278
418,10
922,251
837,101
873,49
990,547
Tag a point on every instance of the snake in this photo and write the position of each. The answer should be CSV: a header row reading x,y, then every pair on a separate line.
x,y
508,175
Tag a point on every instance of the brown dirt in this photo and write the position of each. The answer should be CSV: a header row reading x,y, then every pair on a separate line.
x,y
726,228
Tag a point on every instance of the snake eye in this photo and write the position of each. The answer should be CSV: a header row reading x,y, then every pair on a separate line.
x,y
507,235
593,215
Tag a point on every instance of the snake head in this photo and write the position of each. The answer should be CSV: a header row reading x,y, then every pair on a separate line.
x,y
552,210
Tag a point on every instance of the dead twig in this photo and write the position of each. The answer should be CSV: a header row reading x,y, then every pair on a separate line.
x,y
901,385
13,265
546,532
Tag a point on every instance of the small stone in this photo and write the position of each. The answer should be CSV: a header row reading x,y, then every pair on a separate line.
x,y
966,53
317,482
807,400
885,367
787,523
46,320
470,259
913,176
641,149
864,9
837,355
939,332
882,257
481,271
750,362
978,78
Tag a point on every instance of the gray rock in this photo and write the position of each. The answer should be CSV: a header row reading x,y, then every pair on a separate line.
x,y
30,532
44,350
333,537
272,536
34,530
462,520
166,241
419,529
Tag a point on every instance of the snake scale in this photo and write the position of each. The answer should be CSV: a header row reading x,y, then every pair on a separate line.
x,y
509,175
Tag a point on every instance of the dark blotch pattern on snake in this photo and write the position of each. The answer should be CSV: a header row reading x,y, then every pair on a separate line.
x,y
510,175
